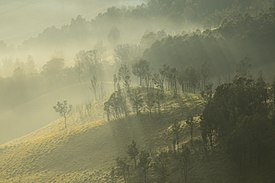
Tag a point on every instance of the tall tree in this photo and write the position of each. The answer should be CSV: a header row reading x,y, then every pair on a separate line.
x,y
205,74
161,167
137,101
141,69
150,101
191,124
184,163
93,86
176,129
144,164
122,169
125,76
133,152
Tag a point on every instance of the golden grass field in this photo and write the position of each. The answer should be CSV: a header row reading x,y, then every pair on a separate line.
x,y
86,151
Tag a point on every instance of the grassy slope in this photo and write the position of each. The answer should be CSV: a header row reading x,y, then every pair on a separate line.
x,y
85,152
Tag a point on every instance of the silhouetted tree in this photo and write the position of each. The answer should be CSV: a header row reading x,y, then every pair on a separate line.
x,y
205,73
144,164
122,169
125,76
176,129
137,101
161,166
115,80
133,152
63,108
191,124
141,69
150,101
184,163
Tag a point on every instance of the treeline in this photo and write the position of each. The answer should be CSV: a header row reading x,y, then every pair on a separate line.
x,y
147,89
237,133
171,15
27,81
222,48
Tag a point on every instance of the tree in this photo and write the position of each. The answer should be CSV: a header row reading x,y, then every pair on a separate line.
x,y
144,164
137,101
125,76
133,152
63,108
184,162
52,70
176,129
141,69
112,175
192,78
122,169
205,73
127,54
158,81
150,101
191,124
93,87
207,93
114,36
115,80
161,166
182,80
273,93
88,64
174,74
238,117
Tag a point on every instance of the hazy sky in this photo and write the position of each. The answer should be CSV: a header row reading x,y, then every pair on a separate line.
x,y
21,19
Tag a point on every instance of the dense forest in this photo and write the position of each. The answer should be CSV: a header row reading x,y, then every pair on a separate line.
x,y
167,91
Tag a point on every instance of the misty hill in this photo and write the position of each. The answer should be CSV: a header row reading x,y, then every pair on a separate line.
x,y
132,22
244,38
87,150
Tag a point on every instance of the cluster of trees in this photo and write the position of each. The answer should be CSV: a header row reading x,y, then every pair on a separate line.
x,y
239,120
168,13
237,125
221,48
152,87
23,81
146,166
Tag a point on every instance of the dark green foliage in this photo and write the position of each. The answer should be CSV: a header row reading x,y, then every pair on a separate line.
x,y
238,119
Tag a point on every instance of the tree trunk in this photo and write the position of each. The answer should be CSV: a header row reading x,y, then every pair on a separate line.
x,y
135,162
145,176
65,121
